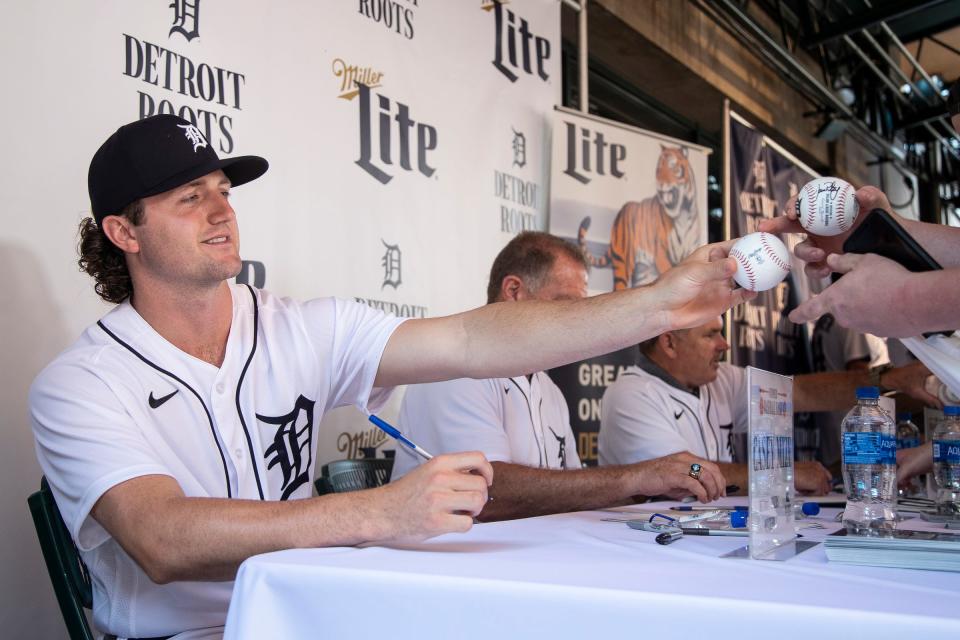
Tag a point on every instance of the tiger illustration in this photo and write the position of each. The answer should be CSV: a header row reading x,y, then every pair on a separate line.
x,y
650,236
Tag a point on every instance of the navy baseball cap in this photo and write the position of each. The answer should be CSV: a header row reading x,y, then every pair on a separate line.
x,y
154,155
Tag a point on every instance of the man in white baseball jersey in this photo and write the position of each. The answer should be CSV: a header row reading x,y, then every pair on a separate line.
x,y
178,434
681,397
521,424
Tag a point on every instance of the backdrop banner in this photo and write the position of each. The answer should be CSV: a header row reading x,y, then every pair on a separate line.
x,y
636,203
763,178
408,142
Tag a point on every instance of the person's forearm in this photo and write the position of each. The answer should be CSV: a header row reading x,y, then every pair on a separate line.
x,y
519,491
939,240
626,318
517,338
208,538
174,537
828,391
736,474
933,299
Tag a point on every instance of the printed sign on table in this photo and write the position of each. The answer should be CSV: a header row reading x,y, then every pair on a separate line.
x,y
770,462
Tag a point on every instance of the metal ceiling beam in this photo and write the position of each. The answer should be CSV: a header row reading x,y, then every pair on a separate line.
x,y
924,116
729,14
859,22
932,21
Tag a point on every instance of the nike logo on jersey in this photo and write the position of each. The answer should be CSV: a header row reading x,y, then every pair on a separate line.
x,y
156,402
676,415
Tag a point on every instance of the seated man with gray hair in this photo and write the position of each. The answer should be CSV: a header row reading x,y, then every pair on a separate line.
x,y
521,424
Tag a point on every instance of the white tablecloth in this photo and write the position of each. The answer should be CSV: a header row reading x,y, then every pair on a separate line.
x,y
575,575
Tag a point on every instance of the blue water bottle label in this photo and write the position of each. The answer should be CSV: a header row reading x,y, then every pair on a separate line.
x,y
908,443
869,448
947,451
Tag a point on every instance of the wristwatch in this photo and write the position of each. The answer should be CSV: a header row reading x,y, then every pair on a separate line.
x,y
876,373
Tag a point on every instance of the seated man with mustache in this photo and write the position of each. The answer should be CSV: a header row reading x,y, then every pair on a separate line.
x,y
681,397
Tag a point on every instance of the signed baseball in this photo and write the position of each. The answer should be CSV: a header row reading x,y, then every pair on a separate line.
x,y
827,206
762,261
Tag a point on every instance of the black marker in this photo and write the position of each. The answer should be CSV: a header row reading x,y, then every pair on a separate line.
x,y
669,536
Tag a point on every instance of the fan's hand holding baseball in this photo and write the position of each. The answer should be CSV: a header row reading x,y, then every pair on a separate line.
x,y
815,249
864,297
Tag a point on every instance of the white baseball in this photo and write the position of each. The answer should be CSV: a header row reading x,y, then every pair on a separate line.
x,y
827,206
762,261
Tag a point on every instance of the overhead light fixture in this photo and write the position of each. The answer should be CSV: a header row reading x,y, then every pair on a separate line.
x,y
831,129
847,96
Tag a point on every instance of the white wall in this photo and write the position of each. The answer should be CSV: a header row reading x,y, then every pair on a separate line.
x,y
316,220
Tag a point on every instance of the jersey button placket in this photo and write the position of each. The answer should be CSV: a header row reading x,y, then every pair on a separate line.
x,y
223,417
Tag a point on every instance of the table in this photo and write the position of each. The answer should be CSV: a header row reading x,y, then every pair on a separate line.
x,y
575,574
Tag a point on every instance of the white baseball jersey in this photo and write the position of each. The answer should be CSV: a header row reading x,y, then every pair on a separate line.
x,y
123,402
508,419
647,414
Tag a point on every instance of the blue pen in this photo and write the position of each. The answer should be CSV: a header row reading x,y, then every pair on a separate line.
x,y
394,433
687,507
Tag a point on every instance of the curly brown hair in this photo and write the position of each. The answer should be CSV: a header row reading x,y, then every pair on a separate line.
x,y
103,260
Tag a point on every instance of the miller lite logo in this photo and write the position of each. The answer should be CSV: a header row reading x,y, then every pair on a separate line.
x,y
517,48
408,148
352,76
589,152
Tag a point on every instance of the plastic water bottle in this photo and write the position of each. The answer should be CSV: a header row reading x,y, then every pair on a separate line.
x,y
946,461
908,437
869,466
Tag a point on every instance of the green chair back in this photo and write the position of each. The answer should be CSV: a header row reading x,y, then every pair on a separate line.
x,y
69,576
340,476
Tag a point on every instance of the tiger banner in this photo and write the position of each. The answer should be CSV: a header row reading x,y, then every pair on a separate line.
x,y
636,203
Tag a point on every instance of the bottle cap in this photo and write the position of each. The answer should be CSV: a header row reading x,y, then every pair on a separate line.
x,y
738,519
951,410
904,417
868,393
810,508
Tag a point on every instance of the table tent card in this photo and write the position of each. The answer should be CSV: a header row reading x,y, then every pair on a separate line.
x,y
770,462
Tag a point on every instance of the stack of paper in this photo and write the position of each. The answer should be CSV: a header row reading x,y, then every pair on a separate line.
x,y
905,549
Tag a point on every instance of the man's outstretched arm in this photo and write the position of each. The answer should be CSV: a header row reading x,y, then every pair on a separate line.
x,y
520,491
509,339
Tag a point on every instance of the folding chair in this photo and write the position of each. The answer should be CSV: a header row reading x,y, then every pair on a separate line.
x,y
69,576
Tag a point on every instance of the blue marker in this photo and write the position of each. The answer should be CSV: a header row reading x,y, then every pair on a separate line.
x,y
394,433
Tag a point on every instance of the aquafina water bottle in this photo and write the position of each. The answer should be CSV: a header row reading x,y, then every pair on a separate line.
x,y
946,461
869,466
